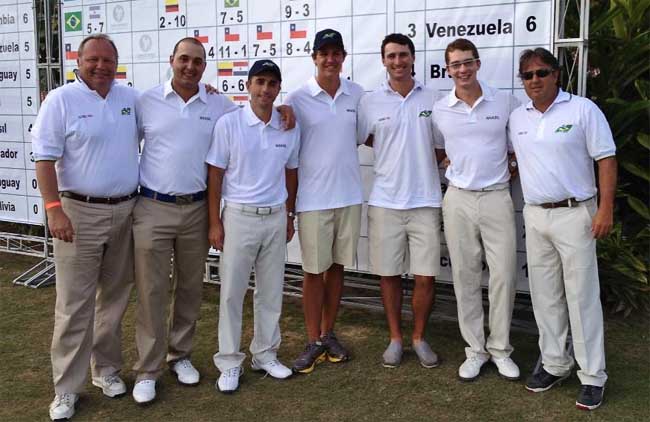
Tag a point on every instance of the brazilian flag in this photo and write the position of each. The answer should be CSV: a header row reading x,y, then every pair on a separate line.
x,y
72,21
231,3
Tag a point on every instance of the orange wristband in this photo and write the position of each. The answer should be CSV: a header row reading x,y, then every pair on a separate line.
x,y
52,204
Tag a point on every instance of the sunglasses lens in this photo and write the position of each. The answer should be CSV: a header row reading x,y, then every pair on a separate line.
x,y
527,76
542,73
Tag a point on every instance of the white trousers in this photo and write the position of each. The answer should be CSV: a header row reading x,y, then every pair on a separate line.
x,y
259,242
563,274
477,221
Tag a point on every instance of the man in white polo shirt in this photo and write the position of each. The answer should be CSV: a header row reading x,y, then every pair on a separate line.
x,y
557,137
176,120
329,194
405,200
85,142
471,123
253,167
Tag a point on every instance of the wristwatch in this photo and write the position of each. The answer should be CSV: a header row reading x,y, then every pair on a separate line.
x,y
513,164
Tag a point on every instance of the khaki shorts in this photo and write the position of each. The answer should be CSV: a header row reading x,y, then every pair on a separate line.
x,y
329,237
402,241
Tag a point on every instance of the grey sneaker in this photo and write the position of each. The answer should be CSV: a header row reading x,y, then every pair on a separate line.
x,y
393,355
428,358
335,351
313,354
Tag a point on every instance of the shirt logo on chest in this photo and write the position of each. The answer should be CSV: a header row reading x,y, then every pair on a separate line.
x,y
280,145
563,129
425,113
492,118
205,118
126,111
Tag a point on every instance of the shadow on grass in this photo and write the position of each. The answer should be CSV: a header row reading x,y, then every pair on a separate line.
x,y
359,390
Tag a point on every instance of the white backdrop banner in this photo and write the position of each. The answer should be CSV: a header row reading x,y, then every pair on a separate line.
x,y
235,33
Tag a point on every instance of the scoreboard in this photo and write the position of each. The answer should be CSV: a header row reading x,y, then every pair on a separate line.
x,y
19,98
235,33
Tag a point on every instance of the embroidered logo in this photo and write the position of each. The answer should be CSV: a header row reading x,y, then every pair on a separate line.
x,y
425,113
126,111
492,118
563,129
350,110
280,145
205,118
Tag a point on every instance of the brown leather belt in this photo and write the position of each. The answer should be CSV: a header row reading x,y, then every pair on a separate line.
x,y
98,200
567,203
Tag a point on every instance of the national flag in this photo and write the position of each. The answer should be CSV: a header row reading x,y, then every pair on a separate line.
x,y
261,35
229,35
294,33
236,98
70,76
72,21
121,72
202,38
171,6
95,12
69,53
231,3
240,68
224,68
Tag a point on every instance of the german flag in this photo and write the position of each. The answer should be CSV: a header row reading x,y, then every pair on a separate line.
x,y
69,53
224,68
121,72
171,6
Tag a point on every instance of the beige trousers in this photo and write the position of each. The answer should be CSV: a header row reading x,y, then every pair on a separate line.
x,y
259,242
477,222
94,276
564,287
162,230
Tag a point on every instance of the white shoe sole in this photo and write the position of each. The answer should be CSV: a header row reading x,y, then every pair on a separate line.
x,y
178,379
256,368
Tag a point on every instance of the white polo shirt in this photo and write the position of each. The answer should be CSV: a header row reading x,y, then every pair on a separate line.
x,y
177,137
94,140
475,138
556,149
406,172
254,155
329,171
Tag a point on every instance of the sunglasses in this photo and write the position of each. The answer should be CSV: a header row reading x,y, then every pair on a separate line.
x,y
541,73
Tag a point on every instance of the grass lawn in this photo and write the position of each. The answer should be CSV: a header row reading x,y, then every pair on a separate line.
x,y
359,390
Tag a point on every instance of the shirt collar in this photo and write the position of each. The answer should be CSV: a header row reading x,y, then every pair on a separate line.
x,y
561,97
82,84
253,120
315,89
167,90
487,94
386,86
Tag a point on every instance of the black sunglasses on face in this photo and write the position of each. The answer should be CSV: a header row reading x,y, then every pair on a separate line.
x,y
541,73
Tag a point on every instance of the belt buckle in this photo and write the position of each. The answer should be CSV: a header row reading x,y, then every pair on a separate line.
x,y
263,210
183,199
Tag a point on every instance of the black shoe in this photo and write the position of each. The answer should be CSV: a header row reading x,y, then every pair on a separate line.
x,y
335,351
543,381
590,397
314,353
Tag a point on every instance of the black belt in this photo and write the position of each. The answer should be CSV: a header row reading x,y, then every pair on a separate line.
x,y
98,200
567,203
172,199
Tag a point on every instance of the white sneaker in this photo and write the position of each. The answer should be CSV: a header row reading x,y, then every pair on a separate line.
x,y
185,372
508,369
228,381
471,368
144,391
274,368
62,406
111,385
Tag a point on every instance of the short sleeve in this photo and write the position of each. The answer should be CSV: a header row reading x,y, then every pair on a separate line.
x,y
513,103
219,153
48,133
364,126
292,163
599,138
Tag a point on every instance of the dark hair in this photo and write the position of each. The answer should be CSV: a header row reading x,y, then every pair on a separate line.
x,y
97,37
314,53
190,40
400,39
461,44
543,55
